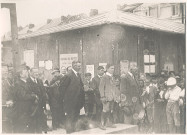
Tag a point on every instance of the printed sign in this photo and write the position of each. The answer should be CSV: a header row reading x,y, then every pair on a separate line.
x,y
28,57
67,59
48,65
41,64
90,69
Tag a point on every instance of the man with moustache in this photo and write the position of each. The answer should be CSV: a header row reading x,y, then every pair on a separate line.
x,y
72,90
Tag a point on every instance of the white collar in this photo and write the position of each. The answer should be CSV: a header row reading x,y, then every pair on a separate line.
x,y
23,80
109,74
130,74
74,71
33,79
99,76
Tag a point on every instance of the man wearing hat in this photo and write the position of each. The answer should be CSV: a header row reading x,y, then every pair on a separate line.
x,y
172,108
23,100
54,98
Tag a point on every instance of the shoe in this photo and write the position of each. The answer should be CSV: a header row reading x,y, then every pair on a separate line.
x,y
102,127
112,126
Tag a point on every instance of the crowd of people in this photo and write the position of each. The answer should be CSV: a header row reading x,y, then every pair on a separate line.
x,y
156,103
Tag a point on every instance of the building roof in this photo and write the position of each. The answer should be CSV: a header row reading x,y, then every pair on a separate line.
x,y
116,17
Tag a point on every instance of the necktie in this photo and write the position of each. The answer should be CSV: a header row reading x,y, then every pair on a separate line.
x,y
35,80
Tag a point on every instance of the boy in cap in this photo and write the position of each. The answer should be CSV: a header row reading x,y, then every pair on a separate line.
x,y
172,108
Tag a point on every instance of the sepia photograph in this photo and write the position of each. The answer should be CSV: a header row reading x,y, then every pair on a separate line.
x,y
93,67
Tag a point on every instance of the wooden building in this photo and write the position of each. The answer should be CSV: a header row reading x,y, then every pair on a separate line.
x,y
113,37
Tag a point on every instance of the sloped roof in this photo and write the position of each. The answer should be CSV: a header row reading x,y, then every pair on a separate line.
x,y
117,17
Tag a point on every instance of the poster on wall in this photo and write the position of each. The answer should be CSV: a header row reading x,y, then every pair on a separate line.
x,y
90,69
124,66
28,57
67,59
104,65
41,64
48,65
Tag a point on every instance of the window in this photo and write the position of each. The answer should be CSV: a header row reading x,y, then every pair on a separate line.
x,y
175,10
149,57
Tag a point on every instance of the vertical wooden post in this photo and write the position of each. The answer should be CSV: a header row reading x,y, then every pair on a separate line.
x,y
14,33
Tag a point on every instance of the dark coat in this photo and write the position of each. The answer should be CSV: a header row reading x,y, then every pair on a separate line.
x,y
54,94
39,90
72,90
129,87
7,90
24,99
95,86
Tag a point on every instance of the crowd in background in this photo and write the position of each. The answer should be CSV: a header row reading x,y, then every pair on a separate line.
x,y
156,103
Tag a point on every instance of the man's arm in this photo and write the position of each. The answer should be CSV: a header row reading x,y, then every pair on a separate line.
x,y
64,83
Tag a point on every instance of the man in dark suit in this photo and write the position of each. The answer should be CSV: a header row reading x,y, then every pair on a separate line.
x,y
23,99
129,88
72,90
95,86
54,99
38,109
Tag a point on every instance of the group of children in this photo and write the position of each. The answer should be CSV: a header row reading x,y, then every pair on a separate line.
x,y
163,101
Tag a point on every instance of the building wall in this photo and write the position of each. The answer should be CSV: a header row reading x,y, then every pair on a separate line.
x,y
171,11
108,43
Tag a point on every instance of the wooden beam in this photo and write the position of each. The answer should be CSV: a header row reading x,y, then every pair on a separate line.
x,y
14,33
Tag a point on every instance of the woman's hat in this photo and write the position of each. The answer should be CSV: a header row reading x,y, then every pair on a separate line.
x,y
171,81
